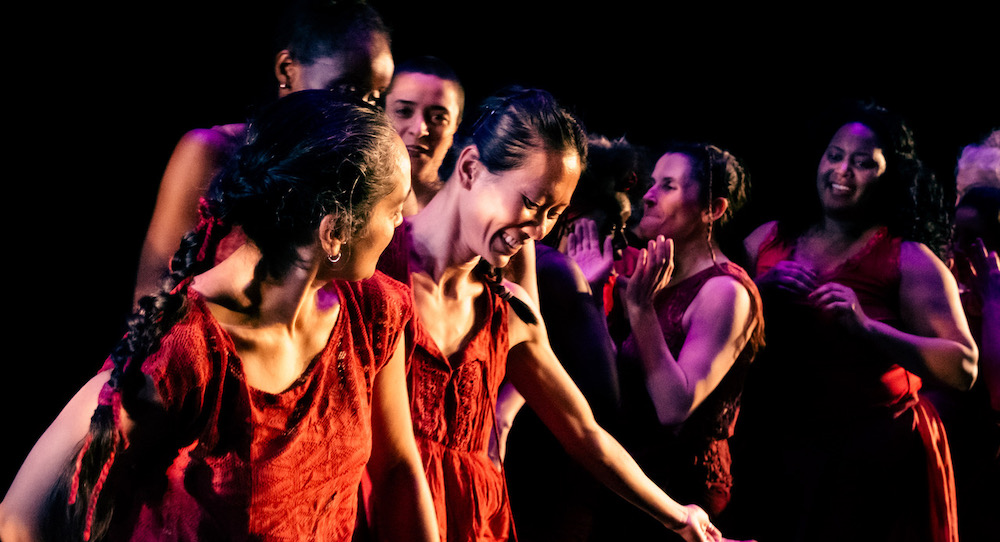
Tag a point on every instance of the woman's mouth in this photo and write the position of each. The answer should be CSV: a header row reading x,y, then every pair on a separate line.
x,y
511,243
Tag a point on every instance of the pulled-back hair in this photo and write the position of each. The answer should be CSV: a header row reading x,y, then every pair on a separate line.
x,y
512,124
718,173
314,29
309,154
909,200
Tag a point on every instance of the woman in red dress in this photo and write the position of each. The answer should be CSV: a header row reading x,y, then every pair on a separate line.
x,y
506,184
247,398
691,321
859,309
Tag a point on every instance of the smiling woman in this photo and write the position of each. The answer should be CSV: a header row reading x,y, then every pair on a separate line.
x,y
858,311
508,178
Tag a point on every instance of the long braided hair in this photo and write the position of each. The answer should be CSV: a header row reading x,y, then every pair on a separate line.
x,y
512,124
308,155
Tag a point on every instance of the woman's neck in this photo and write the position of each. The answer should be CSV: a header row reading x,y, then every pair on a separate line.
x,y
437,246
693,256
844,228
246,299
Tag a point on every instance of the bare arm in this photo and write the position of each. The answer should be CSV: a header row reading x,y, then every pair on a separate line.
x,y
717,325
936,341
537,374
196,159
22,507
402,498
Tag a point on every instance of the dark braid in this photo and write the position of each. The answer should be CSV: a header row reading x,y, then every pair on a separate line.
x,y
309,155
75,510
493,277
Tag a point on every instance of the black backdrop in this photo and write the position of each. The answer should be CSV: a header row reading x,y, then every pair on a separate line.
x,y
99,94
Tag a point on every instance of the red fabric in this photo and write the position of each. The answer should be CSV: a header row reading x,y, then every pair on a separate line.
x,y
452,403
833,426
252,465
691,461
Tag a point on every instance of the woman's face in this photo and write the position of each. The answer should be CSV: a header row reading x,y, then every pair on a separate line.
x,y
364,248
424,109
507,208
850,168
672,206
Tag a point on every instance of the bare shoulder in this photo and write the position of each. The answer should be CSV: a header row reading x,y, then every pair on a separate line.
x,y
752,242
917,261
211,141
721,297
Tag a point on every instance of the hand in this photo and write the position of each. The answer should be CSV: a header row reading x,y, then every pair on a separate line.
x,y
653,270
985,270
841,303
698,528
789,276
593,258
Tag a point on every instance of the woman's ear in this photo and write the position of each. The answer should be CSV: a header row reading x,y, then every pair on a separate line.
x,y
718,210
329,237
468,166
286,70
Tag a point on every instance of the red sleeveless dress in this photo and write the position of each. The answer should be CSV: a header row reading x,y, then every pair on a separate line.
x,y
834,430
689,461
452,403
251,465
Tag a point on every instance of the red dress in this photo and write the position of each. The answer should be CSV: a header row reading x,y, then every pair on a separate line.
x,y
832,432
452,403
690,461
251,465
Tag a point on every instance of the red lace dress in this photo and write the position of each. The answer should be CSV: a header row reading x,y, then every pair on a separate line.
x,y
452,403
258,466
833,432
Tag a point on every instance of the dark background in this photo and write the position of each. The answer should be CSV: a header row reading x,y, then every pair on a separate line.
x,y
99,95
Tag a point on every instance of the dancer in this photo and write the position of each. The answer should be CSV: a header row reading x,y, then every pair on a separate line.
x,y
858,310
693,326
248,397
507,183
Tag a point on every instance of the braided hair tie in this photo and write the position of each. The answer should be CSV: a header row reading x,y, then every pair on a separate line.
x,y
495,281
206,223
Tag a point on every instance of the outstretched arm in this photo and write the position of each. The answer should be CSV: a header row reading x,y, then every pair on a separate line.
x,y
22,508
537,374
404,509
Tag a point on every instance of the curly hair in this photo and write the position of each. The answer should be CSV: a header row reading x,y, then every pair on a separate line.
x,y
310,154
909,199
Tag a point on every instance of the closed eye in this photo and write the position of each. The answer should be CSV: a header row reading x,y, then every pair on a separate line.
x,y
528,204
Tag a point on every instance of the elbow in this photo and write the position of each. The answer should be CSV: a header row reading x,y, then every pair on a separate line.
x,y
13,528
671,414
968,369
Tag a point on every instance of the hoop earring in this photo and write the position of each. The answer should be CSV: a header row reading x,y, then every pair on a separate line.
x,y
334,259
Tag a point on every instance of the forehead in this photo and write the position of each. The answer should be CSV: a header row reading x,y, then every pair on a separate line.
x,y
672,165
368,66
855,135
424,88
546,175
401,173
